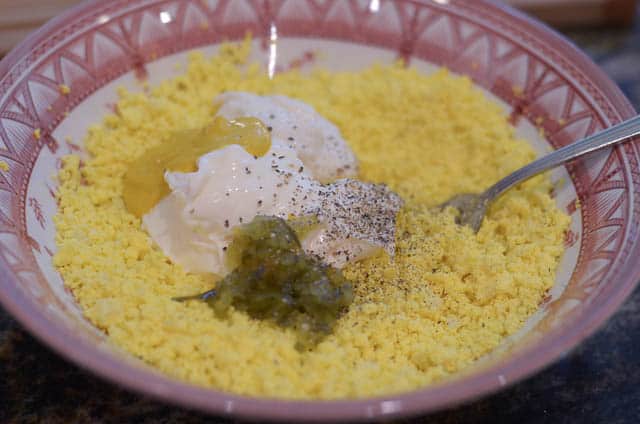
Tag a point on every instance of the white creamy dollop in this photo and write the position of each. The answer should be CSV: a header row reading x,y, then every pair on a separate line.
x,y
194,224
316,141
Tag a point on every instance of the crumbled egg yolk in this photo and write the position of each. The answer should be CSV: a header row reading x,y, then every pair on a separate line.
x,y
448,298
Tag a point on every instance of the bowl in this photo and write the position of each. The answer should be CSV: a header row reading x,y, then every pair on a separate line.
x,y
553,93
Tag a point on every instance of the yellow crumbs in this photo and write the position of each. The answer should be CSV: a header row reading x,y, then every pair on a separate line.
x,y
446,299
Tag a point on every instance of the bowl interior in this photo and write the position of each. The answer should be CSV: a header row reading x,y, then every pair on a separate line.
x,y
552,94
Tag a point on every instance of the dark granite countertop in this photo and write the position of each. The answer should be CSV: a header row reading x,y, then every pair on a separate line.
x,y
598,382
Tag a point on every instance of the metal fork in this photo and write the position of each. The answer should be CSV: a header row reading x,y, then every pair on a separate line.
x,y
473,207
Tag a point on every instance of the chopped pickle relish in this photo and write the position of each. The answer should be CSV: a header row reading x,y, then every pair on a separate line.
x,y
274,279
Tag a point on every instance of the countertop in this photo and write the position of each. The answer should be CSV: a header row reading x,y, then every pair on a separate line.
x,y
598,382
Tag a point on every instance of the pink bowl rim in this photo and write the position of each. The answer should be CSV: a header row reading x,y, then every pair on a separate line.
x,y
430,399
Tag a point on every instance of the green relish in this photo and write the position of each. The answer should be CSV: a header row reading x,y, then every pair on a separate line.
x,y
274,279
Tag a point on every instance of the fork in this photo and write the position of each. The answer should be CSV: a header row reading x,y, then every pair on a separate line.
x,y
472,207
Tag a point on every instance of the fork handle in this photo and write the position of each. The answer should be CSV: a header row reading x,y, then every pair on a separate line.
x,y
607,137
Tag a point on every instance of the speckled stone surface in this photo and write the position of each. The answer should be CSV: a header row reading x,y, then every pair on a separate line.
x,y
597,383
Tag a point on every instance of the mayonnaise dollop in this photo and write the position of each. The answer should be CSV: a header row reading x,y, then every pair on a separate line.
x,y
194,224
